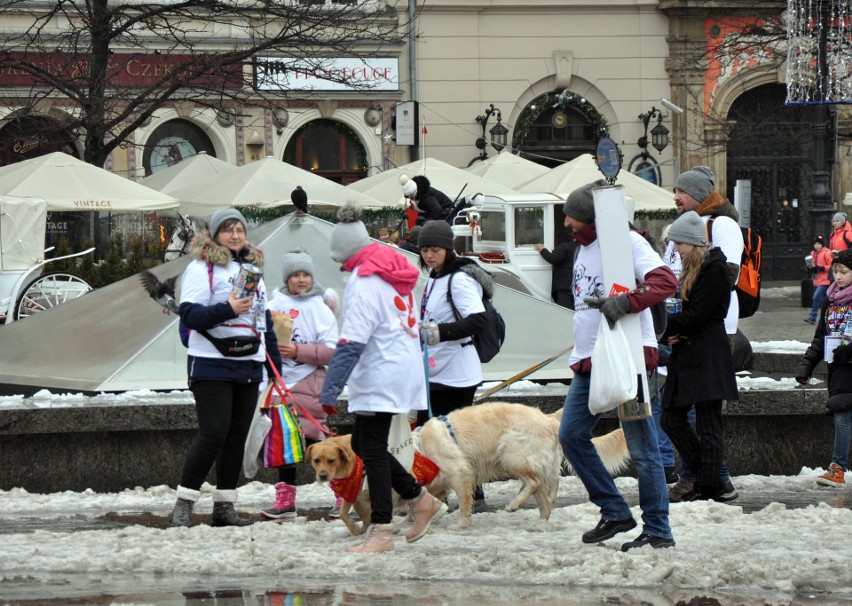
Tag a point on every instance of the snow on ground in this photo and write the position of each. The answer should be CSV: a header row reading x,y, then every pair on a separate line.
x,y
775,553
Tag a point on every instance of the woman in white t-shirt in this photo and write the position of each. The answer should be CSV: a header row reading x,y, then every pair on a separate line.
x,y
454,368
378,356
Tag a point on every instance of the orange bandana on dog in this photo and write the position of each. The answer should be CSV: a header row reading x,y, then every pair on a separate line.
x,y
349,487
424,471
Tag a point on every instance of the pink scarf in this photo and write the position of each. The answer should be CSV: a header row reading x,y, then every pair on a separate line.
x,y
839,296
390,265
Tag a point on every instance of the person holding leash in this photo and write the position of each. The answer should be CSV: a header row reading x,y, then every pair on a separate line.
x,y
230,333
313,336
655,282
379,347
454,367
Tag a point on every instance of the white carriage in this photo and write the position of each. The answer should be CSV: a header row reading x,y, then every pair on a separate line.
x,y
27,286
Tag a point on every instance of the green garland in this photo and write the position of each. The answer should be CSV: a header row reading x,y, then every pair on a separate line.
x,y
564,100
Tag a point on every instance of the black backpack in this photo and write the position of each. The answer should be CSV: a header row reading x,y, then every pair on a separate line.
x,y
490,340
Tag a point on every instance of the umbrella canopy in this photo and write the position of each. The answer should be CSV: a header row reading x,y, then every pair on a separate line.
x,y
67,183
266,183
75,346
508,169
582,170
386,187
192,171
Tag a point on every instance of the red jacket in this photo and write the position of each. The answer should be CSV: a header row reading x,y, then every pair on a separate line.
x,y
822,263
841,238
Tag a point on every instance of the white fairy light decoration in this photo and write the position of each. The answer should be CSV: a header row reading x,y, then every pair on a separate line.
x,y
819,55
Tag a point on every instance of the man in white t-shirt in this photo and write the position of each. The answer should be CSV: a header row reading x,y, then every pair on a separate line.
x,y
695,190
654,284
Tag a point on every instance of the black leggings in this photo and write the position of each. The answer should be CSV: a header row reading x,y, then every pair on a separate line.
x,y
384,472
224,411
703,448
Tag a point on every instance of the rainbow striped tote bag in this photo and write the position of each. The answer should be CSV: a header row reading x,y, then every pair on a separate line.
x,y
284,444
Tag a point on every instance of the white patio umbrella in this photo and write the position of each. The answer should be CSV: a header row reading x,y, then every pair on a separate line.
x,y
386,187
564,179
192,171
67,183
508,169
266,183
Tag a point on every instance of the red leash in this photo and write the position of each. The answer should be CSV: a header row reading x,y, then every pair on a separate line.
x,y
279,384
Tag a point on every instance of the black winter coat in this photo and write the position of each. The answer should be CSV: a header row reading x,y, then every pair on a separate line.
x,y
701,366
562,260
839,372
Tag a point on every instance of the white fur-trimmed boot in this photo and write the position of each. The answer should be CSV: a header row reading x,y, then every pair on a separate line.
x,y
181,516
379,538
224,513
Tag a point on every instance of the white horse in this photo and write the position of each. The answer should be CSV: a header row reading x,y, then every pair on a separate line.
x,y
183,235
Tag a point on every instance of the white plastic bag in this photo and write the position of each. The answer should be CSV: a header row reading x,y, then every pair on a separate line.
x,y
400,442
259,428
613,379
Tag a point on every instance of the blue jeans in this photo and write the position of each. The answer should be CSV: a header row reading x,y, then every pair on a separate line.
x,y
686,474
819,295
842,434
575,436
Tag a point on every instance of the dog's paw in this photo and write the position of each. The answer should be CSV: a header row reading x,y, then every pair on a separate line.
x,y
460,525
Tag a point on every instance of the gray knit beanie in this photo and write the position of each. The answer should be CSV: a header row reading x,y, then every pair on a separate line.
x,y
580,204
698,182
349,235
436,233
222,215
297,259
839,217
689,228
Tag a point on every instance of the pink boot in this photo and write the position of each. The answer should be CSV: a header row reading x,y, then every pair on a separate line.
x,y
285,503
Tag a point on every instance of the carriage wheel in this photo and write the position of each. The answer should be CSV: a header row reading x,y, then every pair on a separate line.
x,y
49,290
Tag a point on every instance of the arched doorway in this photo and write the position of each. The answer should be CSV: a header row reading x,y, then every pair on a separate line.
x,y
172,142
330,149
28,137
557,127
770,145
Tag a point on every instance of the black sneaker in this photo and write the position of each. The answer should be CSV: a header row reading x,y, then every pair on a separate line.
x,y
809,321
671,475
647,539
606,529
729,493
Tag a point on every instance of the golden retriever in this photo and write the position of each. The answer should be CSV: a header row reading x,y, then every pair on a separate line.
x,y
334,459
498,441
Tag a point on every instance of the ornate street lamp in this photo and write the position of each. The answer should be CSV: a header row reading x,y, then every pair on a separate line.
x,y
499,133
659,134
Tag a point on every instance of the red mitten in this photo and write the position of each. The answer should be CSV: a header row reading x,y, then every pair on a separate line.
x,y
330,410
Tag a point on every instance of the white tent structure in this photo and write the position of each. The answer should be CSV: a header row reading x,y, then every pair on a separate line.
x,y
453,181
117,339
192,171
69,184
582,170
508,169
266,183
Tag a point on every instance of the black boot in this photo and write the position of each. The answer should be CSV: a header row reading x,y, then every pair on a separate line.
x,y
182,514
224,514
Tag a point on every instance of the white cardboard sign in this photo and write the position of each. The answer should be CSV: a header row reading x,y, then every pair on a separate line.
x,y
613,232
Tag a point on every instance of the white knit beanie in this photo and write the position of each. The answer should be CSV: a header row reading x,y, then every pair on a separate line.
x,y
349,235
689,228
297,259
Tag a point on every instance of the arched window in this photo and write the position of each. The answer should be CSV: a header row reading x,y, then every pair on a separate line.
x,y
330,149
172,142
32,136
557,127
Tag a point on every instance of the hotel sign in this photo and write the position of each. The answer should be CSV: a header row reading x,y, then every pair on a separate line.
x,y
330,74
